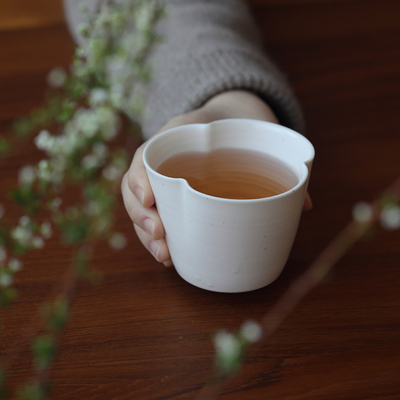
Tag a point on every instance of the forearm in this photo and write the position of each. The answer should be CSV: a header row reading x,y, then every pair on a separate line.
x,y
208,48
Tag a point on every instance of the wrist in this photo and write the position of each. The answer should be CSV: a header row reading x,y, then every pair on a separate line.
x,y
239,104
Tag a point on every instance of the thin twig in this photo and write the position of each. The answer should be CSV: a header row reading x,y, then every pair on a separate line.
x,y
311,278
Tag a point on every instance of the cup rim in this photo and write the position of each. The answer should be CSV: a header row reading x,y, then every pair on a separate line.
x,y
302,181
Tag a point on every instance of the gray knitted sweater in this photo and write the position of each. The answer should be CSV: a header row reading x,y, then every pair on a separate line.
x,y
208,47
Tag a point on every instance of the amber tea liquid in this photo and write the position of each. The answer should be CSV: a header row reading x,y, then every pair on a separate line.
x,y
231,173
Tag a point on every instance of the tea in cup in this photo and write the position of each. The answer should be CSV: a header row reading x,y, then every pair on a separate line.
x,y
230,196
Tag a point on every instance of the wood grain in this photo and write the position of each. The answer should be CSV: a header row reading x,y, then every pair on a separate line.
x,y
143,333
23,14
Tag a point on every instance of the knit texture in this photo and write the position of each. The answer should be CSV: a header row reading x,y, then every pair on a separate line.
x,y
207,47
210,47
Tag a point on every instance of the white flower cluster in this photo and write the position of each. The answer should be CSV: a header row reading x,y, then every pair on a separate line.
x,y
114,171
99,122
117,41
85,125
117,241
230,347
363,212
108,78
57,77
251,331
27,236
227,345
97,157
389,216
27,175
8,267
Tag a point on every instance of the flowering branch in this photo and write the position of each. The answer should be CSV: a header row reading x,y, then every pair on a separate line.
x,y
78,127
231,348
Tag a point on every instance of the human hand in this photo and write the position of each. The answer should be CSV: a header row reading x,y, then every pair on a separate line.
x,y
136,191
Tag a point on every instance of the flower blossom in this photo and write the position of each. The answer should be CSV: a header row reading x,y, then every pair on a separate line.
x,y
57,77
390,217
27,175
363,212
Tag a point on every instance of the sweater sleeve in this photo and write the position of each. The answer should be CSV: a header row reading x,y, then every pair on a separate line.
x,y
209,47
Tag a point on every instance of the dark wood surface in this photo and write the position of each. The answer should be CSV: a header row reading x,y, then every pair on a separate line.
x,y
143,333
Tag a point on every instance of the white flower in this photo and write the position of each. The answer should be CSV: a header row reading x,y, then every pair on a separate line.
x,y
44,141
98,96
100,150
143,16
117,241
57,77
251,331
102,224
45,230
27,175
92,208
109,122
14,264
51,171
5,279
227,345
24,220
55,204
81,53
117,95
363,212
112,173
37,242
90,161
43,170
390,217
22,234
87,123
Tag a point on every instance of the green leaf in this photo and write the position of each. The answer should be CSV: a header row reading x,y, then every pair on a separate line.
x,y
4,145
27,198
57,313
32,391
81,260
7,295
3,391
44,348
23,126
75,231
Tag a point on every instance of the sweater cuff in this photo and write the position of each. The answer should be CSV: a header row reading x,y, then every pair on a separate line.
x,y
196,80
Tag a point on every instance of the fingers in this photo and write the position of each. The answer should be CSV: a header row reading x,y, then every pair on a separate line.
x,y
139,203
137,181
146,218
307,203
158,248
137,194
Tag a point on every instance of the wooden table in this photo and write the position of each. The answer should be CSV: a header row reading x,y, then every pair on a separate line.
x,y
144,333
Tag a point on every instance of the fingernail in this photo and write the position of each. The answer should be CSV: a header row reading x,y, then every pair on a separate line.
x,y
149,225
139,194
154,248
308,205
167,263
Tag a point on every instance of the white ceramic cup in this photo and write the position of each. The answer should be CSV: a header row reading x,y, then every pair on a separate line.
x,y
228,245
